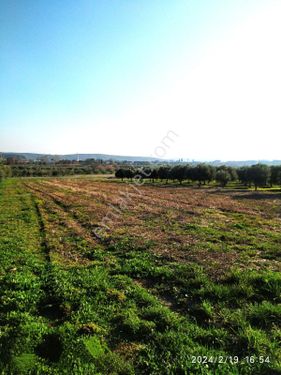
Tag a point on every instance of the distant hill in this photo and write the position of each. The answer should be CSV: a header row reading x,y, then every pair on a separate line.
x,y
82,157
243,163
34,157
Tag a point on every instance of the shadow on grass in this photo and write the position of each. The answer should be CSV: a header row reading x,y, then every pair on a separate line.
x,y
259,195
238,193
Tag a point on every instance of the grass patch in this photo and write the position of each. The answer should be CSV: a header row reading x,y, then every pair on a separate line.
x,y
145,301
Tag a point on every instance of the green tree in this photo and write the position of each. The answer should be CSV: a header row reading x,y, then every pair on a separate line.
x,y
120,173
202,173
259,175
275,178
244,176
223,177
164,173
178,172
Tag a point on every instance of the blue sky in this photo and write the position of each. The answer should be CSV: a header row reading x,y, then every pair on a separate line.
x,y
116,76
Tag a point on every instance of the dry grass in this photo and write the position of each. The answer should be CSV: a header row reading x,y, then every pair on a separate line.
x,y
163,217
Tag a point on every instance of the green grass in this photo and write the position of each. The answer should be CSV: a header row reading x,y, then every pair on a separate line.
x,y
126,310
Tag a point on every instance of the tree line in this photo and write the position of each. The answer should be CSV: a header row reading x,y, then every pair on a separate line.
x,y
54,170
258,175
19,166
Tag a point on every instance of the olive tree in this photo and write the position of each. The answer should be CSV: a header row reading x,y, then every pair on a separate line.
x,y
223,177
259,175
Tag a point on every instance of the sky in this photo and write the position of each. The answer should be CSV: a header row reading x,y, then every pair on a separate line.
x,y
117,77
